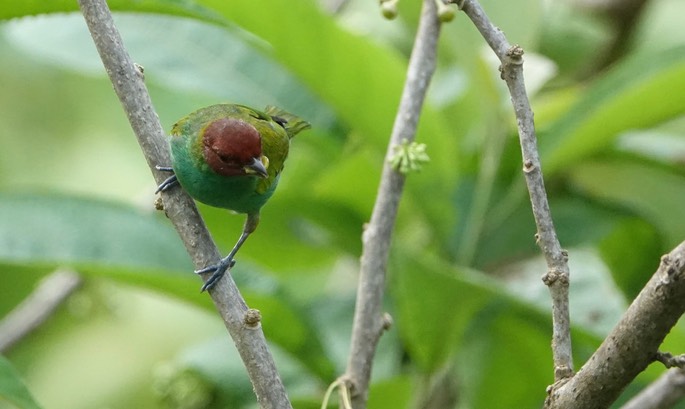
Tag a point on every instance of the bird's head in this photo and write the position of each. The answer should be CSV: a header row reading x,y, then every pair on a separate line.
x,y
232,147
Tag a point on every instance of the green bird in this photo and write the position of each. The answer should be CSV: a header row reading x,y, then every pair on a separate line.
x,y
231,156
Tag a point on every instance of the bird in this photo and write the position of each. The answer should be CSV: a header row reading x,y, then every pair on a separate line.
x,y
231,156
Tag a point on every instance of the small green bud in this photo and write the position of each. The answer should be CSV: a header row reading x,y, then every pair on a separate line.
x,y
409,157
446,13
389,9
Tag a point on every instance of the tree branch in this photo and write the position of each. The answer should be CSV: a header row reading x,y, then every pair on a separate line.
x,y
663,393
557,276
37,307
632,344
180,208
669,360
369,322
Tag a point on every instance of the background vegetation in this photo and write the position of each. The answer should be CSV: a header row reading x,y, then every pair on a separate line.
x,y
471,316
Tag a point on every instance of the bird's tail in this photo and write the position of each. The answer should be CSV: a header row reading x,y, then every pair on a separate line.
x,y
292,124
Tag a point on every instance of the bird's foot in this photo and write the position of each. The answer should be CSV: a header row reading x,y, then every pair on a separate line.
x,y
217,270
169,182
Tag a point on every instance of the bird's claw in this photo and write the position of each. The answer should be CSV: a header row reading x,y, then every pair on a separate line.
x,y
169,182
217,270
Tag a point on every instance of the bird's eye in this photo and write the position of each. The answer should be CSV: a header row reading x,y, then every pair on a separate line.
x,y
227,159
280,121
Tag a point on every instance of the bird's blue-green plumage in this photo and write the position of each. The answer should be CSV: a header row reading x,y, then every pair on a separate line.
x,y
237,193
245,193
231,156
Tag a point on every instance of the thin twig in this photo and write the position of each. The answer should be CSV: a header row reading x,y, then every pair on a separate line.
x,y
181,210
369,322
557,276
663,393
669,360
37,307
632,344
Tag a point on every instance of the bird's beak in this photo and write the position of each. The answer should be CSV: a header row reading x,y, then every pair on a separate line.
x,y
257,167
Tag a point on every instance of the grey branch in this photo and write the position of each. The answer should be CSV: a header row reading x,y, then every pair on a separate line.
x,y
632,344
663,393
180,208
369,321
669,360
557,276
37,307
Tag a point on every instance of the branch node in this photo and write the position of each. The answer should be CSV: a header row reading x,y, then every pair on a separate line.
x,y
562,372
551,390
159,203
252,318
528,166
554,276
672,266
387,321
513,57
515,53
665,259
140,70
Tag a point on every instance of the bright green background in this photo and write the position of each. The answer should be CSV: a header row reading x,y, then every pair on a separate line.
x,y
471,315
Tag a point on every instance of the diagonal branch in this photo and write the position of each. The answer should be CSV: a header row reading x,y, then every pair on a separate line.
x,y
665,392
632,344
239,320
557,277
369,322
50,294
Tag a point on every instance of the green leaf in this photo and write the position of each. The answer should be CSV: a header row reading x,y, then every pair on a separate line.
x,y
21,8
13,389
51,229
434,308
195,57
577,222
635,94
292,329
394,393
323,55
304,49
502,340
632,253
651,191
139,248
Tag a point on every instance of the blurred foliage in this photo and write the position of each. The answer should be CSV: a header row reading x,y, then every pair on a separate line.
x,y
471,315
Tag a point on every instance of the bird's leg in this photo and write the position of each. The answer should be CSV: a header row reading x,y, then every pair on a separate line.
x,y
218,270
169,182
